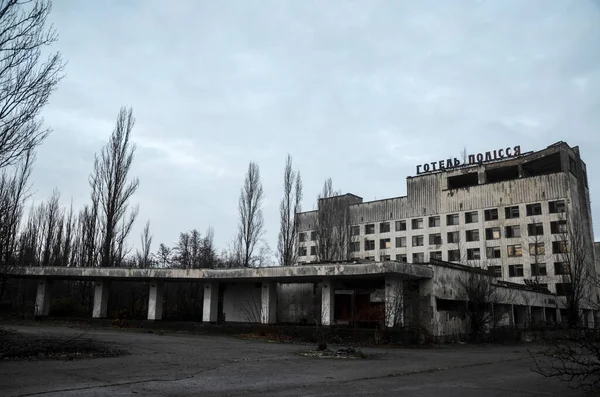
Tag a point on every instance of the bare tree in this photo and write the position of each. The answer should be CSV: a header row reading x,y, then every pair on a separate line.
x,y
164,255
144,257
250,228
288,209
480,293
26,79
110,183
578,267
332,226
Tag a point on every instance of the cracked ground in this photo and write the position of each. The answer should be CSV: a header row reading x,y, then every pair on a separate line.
x,y
177,364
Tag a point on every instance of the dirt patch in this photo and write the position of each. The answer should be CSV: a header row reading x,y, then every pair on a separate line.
x,y
19,346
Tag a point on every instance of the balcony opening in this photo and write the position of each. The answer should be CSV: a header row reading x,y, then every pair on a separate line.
x,y
465,180
502,174
543,166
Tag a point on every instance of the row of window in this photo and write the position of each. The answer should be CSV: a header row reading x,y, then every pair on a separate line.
x,y
492,214
491,233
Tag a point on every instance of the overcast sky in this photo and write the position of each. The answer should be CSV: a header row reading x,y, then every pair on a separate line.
x,y
360,91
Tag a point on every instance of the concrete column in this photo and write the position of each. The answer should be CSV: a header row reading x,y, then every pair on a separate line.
x,y
211,302
558,316
544,315
155,300
268,307
42,299
512,315
529,314
327,302
394,302
100,298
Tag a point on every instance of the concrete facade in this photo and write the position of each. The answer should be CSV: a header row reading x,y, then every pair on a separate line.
x,y
508,215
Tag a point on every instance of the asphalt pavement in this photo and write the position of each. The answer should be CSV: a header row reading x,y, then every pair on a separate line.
x,y
178,364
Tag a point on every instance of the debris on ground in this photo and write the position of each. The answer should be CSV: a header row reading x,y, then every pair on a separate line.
x,y
20,346
343,353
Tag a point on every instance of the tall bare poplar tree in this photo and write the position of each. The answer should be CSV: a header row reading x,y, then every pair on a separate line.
x,y
26,79
288,208
332,225
251,224
113,188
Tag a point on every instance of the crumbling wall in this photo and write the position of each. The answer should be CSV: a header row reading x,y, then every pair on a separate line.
x,y
242,302
297,303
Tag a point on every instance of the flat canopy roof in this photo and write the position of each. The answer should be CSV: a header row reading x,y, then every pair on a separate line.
x,y
303,273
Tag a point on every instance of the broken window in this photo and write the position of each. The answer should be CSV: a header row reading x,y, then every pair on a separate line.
x,y
435,239
561,268
453,237
355,246
496,271
473,254
452,219
466,180
560,247
555,207
384,227
418,257
491,214
302,237
534,209
370,258
400,242
313,250
492,233
453,255
513,251
384,258
515,270
535,229
385,243
369,245
512,231
558,227
417,223
417,241
538,269
435,255
302,251
370,228
434,221
401,258
537,249
564,289
502,174
473,235
355,230
493,252
472,217
511,212
313,236
400,226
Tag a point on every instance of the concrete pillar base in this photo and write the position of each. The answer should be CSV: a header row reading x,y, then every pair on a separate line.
x,y
42,299
211,302
100,299
268,307
155,300
327,302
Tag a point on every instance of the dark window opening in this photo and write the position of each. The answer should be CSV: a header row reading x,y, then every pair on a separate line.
x,y
515,271
491,214
502,174
466,180
495,270
511,212
534,209
543,166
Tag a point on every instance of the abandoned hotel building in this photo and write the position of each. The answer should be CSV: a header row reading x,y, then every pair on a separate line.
x,y
503,215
